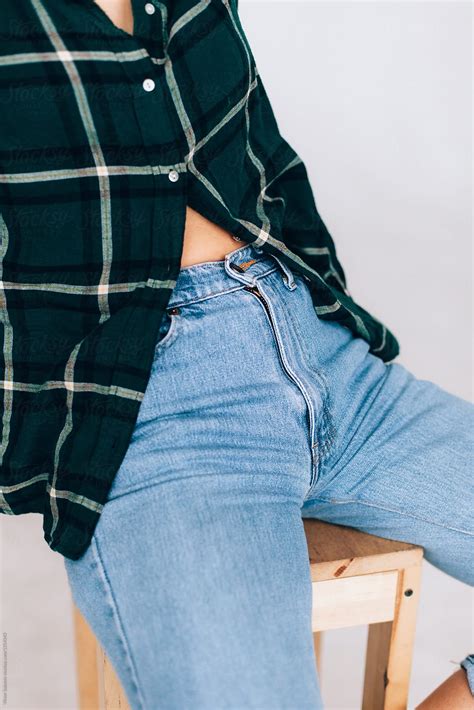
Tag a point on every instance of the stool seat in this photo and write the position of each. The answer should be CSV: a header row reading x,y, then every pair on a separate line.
x,y
357,578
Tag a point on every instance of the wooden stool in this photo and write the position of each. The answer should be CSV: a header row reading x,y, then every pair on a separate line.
x,y
357,579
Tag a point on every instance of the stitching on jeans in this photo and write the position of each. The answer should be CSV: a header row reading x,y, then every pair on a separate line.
x,y
287,274
169,336
116,616
279,342
348,501
326,429
318,372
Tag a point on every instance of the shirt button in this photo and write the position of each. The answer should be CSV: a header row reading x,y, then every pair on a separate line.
x,y
173,175
150,8
148,84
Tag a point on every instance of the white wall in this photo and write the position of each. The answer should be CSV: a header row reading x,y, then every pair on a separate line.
x,y
376,98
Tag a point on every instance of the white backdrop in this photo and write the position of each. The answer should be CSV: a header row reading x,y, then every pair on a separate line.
x,y
376,98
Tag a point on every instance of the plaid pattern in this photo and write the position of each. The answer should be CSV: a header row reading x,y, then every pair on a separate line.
x,y
92,121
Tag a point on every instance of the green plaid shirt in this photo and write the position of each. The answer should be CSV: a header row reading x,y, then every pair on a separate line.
x,y
104,140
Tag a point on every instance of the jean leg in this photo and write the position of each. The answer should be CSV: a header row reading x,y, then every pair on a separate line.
x,y
200,593
468,665
404,471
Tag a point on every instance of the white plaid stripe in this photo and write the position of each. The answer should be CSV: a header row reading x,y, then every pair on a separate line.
x,y
93,290
72,386
53,492
8,361
74,56
93,171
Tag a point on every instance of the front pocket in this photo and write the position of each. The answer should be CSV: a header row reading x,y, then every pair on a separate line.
x,y
167,332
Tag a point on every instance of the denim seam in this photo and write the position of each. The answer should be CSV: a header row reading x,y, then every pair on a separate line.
x,y
348,501
169,336
319,374
326,429
288,276
314,429
116,617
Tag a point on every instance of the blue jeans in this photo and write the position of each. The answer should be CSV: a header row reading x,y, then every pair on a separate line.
x,y
258,414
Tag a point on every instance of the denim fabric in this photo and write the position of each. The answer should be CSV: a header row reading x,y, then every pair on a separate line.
x,y
258,414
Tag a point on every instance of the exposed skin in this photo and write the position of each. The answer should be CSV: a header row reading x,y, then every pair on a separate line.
x,y
206,241
203,240
452,694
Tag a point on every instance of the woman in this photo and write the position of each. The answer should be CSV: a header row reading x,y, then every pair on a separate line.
x,y
186,375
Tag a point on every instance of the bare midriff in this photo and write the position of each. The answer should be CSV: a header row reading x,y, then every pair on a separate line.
x,y
203,239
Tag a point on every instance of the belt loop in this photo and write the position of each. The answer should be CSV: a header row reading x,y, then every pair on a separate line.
x,y
288,278
235,271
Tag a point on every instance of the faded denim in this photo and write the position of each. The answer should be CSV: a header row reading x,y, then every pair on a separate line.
x,y
257,415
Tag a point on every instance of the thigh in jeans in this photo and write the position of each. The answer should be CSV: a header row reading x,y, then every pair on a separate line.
x,y
402,467
401,463
197,579
400,460
201,595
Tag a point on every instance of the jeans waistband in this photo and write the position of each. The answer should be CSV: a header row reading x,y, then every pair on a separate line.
x,y
246,265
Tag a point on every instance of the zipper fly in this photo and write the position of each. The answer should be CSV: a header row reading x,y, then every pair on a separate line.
x,y
292,376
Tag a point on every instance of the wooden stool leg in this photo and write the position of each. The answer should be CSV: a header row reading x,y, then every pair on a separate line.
x,y
114,695
390,648
376,664
86,663
318,647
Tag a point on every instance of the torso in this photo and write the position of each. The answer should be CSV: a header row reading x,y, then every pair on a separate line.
x,y
203,240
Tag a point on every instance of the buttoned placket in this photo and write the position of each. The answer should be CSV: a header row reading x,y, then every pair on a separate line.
x,y
151,97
